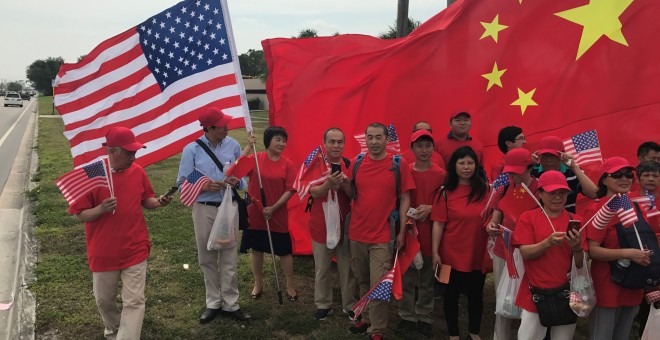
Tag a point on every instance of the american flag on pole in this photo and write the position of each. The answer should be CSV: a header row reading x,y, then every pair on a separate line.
x,y
154,79
627,214
393,145
501,181
79,182
584,147
192,186
605,214
647,204
312,171
381,291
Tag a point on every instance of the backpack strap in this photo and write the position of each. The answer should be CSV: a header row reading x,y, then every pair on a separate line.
x,y
356,166
396,167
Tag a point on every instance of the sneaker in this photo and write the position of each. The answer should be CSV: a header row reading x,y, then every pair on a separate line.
x,y
359,328
425,328
376,336
322,314
351,315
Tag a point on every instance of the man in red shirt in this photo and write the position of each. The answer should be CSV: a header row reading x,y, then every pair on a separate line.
x,y
337,183
117,237
428,178
408,154
369,230
459,135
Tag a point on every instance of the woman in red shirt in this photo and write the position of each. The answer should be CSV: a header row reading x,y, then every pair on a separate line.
x,y
547,249
459,238
616,307
277,177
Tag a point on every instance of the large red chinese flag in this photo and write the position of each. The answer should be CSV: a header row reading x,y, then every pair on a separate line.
x,y
551,67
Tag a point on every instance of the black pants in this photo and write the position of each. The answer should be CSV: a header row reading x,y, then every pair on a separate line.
x,y
470,284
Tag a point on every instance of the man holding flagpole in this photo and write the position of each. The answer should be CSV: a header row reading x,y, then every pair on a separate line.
x,y
218,266
117,237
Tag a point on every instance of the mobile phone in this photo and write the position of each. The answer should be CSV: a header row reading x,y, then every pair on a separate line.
x,y
335,167
171,191
442,273
574,225
412,212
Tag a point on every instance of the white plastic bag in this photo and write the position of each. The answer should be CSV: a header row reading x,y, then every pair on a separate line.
x,y
225,225
583,295
418,260
652,329
332,220
507,290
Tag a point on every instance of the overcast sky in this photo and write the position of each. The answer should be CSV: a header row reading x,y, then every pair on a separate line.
x,y
37,29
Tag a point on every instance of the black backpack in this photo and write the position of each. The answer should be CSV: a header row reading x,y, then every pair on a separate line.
x,y
636,276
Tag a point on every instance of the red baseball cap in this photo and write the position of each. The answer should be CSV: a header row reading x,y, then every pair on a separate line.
x,y
552,145
552,180
614,164
212,116
122,137
517,160
418,134
456,114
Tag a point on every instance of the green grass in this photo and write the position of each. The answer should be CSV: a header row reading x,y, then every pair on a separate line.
x,y
46,105
175,297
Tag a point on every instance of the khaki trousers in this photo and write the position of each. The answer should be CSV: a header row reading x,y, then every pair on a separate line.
x,y
370,262
220,277
127,323
323,280
420,311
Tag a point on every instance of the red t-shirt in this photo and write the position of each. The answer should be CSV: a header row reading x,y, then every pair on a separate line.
x,y
448,145
409,156
508,219
427,184
496,168
549,270
277,178
317,217
464,238
608,293
120,240
376,199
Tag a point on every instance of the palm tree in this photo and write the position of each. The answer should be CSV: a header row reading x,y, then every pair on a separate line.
x,y
391,30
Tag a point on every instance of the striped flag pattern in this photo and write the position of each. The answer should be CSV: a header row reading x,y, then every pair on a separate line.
x,y
381,291
154,79
584,147
79,182
192,186
647,204
393,145
605,214
312,172
627,214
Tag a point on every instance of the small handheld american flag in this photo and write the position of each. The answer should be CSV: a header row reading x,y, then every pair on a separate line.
x,y
627,214
192,186
311,172
584,147
79,182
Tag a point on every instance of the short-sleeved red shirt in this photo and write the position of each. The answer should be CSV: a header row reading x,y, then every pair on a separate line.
x,y
608,293
427,184
277,178
464,238
376,198
120,240
409,156
549,270
508,220
317,226
447,146
496,168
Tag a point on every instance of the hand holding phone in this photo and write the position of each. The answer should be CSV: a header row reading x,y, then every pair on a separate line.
x,y
442,272
171,192
574,225
335,167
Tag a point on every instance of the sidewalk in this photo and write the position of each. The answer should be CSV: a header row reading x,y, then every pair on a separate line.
x,y
17,249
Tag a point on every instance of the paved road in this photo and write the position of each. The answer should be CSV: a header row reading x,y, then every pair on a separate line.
x,y
17,134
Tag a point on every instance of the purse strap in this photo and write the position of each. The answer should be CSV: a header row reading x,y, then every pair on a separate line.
x,y
216,161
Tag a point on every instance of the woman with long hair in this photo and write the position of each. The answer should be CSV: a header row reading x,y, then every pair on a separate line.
x,y
459,238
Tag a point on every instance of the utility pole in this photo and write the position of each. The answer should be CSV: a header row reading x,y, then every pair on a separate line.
x,y
402,19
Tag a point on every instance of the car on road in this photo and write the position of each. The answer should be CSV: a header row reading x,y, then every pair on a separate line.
x,y
13,98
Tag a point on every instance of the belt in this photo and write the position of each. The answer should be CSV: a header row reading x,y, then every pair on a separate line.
x,y
215,204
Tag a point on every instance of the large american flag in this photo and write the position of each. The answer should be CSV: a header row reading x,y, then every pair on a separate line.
x,y
79,182
393,145
584,147
154,79
381,291
312,171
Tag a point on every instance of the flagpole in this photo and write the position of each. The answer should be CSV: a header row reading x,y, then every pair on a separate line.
x,y
539,204
270,238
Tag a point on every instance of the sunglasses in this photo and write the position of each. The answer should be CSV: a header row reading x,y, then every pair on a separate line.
x,y
620,174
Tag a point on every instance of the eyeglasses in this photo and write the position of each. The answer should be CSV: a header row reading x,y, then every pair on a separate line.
x,y
620,174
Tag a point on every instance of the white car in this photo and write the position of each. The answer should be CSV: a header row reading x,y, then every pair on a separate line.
x,y
13,98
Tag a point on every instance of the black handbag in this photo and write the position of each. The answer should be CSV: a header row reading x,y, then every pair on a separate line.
x,y
240,202
552,305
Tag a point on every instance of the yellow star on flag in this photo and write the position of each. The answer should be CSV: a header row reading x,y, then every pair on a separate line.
x,y
494,77
524,100
598,18
492,28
